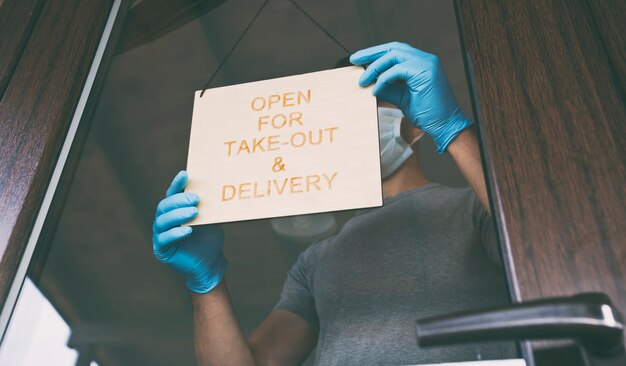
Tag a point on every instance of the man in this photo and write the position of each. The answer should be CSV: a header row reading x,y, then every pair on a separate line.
x,y
356,295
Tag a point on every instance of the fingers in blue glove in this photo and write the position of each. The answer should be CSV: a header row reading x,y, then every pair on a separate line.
x,y
371,54
414,81
390,93
390,76
380,65
199,257
178,200
164,239
174,218
178,184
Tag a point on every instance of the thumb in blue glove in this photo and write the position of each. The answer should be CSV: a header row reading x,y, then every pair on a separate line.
x,y
195,252
414,81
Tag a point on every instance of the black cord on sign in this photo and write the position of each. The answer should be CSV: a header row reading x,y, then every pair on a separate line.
x,y
219,67
321,28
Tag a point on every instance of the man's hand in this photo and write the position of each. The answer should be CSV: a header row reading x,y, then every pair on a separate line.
x,y
414,81
195,252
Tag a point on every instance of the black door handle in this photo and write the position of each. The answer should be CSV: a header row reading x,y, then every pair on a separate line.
x,y
591,318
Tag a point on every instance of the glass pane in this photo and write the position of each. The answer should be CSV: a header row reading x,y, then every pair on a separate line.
x,y
123,307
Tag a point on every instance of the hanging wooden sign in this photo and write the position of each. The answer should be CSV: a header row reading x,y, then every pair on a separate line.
x,y
287,146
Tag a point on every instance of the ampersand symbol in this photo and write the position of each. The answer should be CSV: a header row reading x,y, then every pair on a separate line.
x,y
278,167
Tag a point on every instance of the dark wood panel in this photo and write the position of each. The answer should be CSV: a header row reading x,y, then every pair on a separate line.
x,y
36,111
16,21
610,17
551,115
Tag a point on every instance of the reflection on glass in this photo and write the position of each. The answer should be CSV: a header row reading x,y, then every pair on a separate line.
x,y
129,309
37,334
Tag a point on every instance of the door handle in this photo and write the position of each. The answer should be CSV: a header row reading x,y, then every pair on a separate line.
x,y
591,318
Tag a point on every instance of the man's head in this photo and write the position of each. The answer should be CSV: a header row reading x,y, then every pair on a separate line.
x,y
397,138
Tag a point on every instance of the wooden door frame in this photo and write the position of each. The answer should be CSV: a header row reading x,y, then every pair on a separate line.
x,y
548,94
496,35
41,112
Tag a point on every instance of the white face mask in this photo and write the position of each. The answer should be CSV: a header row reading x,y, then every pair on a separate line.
x,y
393,149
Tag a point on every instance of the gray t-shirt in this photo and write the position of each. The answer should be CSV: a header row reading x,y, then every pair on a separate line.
x,y
424,252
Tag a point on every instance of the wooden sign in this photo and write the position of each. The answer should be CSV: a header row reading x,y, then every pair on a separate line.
x,y
288,146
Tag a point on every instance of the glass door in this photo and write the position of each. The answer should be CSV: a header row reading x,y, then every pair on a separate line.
x,y
98,291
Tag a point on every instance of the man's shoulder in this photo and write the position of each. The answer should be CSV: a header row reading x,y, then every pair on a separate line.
x,y
428,196
314,252
437,193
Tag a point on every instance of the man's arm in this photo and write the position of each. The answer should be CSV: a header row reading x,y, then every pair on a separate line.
x,y
466,154
218,339
282,338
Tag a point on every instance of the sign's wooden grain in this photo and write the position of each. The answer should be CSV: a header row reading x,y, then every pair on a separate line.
x,y
288,146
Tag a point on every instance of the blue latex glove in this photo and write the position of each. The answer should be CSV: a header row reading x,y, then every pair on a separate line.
x,y
197,251
414,81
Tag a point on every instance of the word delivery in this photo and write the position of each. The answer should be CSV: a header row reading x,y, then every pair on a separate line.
x,y
277,187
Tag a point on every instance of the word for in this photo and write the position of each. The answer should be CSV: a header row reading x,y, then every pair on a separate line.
x,y
278,187
280,120
289,99
274,142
